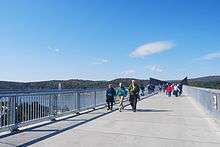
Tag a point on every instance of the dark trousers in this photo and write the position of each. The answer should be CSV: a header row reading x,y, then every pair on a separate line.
x,y
180,92
110,102
110,105
175,93
133,102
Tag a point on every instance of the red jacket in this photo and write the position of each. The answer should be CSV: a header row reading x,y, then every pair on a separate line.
x,y
169,89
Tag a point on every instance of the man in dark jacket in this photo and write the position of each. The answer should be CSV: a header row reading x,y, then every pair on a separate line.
x,y
180,86
142,88
134,94
110,94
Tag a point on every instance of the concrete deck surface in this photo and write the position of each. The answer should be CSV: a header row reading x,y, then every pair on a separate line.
x,y
159,122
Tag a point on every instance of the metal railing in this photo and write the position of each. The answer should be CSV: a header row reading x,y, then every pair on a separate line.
x,y
21,109
209,99
17,110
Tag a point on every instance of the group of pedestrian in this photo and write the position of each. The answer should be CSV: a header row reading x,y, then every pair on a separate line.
x,y
175,89
121,93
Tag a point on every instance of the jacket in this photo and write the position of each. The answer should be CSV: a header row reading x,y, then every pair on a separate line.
x,y
135,90
169,89
110,92
121,91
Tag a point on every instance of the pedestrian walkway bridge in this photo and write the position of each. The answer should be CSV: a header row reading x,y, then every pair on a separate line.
x,y
159,122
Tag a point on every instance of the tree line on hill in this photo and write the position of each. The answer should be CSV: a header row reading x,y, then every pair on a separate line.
x,y
67,84
206,82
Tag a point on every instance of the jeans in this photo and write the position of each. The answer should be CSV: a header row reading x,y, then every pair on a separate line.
x,y
110,101
110,105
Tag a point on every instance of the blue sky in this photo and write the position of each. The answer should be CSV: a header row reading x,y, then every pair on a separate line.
x,y
107,39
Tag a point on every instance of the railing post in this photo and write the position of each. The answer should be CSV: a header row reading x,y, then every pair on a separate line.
x,y
12,120
214,101
78,103
53,107
94,100
218,102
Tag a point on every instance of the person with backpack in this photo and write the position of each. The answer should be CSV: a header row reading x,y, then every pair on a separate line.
x,y
134,94
110,97
121,93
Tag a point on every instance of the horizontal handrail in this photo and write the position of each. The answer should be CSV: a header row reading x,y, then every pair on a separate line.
x,y
47,92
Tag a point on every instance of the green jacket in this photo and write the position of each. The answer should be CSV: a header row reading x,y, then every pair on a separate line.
x,y
134,91
121,91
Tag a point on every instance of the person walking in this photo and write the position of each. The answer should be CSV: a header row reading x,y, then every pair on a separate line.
x,y
169,90
165,88
142,89
176,90
180,86
134,94
110,94
121,94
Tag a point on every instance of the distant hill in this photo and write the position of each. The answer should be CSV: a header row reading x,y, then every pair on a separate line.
x,y
206,79
206,82
66,84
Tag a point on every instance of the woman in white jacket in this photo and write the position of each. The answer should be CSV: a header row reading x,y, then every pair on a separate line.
x,y
176,90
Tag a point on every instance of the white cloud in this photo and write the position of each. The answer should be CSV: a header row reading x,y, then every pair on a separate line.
x,y
128,73
151,48
54,49
154,68
212,56
57,50
101,61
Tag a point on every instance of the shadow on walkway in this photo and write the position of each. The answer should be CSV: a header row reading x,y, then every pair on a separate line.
x,y
152,110
149,110
52,132
83,121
